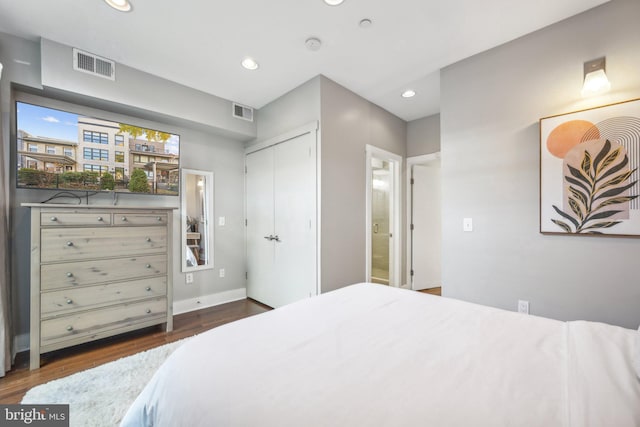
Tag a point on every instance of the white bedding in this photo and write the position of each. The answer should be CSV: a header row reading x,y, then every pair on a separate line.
x,y
370,355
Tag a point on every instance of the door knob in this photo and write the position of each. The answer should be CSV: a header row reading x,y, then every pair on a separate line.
x,y
276,238
269,237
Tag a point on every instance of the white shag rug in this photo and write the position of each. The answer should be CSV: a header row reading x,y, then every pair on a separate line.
x,y
102,395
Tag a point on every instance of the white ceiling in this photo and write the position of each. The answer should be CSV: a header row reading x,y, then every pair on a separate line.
x,y
200,43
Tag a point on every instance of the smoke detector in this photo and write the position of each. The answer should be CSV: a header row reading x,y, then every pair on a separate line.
x,y
313,43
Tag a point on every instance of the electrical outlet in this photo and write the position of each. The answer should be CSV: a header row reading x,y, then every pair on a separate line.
x,y
222,221
189,278
222,272
467,224
523,306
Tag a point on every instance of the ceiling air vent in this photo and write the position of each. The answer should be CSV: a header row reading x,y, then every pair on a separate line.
x,y
242,112
93,64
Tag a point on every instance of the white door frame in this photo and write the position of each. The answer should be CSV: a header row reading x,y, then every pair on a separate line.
x,y
395,269
411,161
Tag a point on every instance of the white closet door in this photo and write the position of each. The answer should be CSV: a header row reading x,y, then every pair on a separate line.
x,y
260,220
426,236
295,219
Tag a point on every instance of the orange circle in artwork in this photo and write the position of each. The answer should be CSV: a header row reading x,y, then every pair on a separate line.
x,y
567,135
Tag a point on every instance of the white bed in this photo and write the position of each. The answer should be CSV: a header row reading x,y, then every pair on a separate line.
x,y
370,355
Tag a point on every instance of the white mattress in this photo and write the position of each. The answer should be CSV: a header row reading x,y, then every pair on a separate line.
x,y
370,355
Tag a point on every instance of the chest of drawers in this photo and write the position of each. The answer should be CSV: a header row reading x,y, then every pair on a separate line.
x,y
97,272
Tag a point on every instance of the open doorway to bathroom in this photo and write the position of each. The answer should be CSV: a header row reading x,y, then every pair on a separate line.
x,y
383,217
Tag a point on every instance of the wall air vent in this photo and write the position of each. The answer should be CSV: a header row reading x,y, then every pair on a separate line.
x,y
242,112
93,64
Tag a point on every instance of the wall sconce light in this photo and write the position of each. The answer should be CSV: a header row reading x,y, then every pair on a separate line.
x,y
595,77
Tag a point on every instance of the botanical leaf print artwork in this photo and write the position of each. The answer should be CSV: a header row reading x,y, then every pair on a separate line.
x,y
589,171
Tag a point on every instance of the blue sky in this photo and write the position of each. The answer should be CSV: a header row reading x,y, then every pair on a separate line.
x,y
47,122
51,123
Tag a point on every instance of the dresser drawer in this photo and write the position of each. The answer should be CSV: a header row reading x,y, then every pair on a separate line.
x,y
69,219
125,219
64,244
69,300
83,326
82,273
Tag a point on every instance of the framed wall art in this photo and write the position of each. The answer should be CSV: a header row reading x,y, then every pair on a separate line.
x,y
589,178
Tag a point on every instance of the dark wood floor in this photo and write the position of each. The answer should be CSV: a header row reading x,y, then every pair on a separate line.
x,y
61,363
432,291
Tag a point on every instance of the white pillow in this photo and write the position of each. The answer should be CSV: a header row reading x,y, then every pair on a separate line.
x,y
636,360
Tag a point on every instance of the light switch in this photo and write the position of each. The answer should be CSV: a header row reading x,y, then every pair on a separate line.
x,y
221,221
467,224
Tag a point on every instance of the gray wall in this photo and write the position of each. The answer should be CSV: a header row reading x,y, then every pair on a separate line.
x,y
294,109
205,144
423,136
491,104
348,124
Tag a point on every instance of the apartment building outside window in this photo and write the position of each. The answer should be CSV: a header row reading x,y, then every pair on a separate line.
x,y
33,148
119,139
119,156
51,149
68,152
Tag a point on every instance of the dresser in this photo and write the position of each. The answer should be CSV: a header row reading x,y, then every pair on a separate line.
x,y
97,271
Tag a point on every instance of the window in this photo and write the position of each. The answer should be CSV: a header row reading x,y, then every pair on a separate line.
x,y
119,139
120,156
68,152
51,149
95,168
33,148
138,147
95,137
136,158
96,154
32,164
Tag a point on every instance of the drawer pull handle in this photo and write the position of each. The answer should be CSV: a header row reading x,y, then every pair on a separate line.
x,y
124,218
69,274
69,328
147,266
148,310
69,243
69,301
54,219
100,219
148,239
148,288
159,218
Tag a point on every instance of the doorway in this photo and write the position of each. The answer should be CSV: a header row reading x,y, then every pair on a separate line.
x,y
383,217
424,221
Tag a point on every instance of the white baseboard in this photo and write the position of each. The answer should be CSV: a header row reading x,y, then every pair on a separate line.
x,y
205,301
21,343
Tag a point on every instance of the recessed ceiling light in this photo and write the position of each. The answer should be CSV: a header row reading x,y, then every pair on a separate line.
x,y
333,2
250,64
121,5
409,93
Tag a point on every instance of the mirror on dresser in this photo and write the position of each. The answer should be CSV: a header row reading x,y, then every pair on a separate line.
x,y
196,204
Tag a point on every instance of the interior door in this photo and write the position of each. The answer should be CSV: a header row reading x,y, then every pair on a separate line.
x,y
426,234
295,219
260,221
